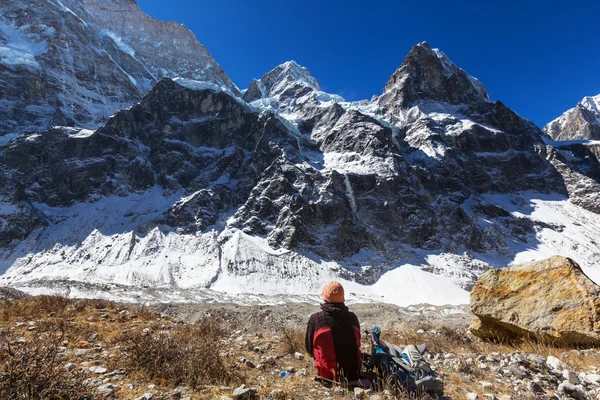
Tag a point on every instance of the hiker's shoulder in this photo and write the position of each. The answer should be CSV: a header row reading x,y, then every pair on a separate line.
x,y
353,316
317,315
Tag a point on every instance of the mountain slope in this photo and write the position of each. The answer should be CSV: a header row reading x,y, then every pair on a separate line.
x,y
75,62
195,190
581,122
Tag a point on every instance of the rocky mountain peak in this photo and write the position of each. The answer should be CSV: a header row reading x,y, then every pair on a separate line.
x,y
427,74
76,62
581,122
286,76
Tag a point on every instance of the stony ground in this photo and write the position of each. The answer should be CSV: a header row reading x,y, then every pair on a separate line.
x,y
52,346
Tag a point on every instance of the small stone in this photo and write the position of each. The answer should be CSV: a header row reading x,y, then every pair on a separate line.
x,y
516,371
486,385
82,352
299,356
534,387
250,364
571,390
145,396
301,372
98,370
106,389
570,377
69,366
421,332
555,364
449,356
269,360
472,396
244,393
19,340
361,393
536,359
592,378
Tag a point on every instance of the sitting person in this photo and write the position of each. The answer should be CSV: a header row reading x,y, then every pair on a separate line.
x,y
333,337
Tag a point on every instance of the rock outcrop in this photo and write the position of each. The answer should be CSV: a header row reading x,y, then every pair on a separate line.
x,y
550,300
77,62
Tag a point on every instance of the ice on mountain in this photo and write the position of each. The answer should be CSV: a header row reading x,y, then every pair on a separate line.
x,y
17,48
118,41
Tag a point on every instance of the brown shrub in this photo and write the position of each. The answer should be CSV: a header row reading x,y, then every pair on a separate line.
x,y
33,370
292,340
188,355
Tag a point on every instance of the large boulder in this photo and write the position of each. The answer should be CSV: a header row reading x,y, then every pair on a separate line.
x,y
550,300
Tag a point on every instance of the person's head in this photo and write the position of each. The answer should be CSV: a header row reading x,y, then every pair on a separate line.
x,y
333,292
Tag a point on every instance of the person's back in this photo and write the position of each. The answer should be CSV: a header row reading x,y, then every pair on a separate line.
x,y
333,337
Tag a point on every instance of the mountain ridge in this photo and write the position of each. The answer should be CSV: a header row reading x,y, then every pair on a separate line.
x,y
201,188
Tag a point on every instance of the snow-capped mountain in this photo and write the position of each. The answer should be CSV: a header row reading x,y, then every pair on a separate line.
x,y
199,190
581,122
76,62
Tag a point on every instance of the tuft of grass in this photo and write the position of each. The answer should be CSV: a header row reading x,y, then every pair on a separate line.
x,y
188,355
292,341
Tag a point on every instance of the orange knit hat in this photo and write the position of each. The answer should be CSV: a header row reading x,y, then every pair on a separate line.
x,y
333,292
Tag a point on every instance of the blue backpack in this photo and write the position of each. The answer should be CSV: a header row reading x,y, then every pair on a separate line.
x,y
403,366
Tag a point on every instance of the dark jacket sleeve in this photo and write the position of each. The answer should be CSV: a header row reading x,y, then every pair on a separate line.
x,y
310,334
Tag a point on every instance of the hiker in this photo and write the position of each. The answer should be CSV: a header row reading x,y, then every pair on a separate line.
x,y
333,337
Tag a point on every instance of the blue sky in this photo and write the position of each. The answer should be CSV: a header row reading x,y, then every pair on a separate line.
x,y
538,57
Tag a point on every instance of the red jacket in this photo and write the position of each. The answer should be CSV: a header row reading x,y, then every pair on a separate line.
x,y
333,339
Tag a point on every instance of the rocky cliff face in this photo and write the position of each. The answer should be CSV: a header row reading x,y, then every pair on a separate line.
x,y
75,63
288,187
581,122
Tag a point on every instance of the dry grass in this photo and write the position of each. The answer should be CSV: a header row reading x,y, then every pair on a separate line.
x,y
157,350
188,355
33,370
292,341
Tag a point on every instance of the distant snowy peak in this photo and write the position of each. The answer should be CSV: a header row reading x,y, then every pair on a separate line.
x,y
581,122
427,74
283,78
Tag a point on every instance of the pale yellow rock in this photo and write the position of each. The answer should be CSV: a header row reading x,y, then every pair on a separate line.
x,y
550,300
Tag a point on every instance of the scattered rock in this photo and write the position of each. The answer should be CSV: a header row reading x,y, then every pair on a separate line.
x,y
299,356
361,393
571,390
106,389
555,364
244,393
145,396
98,370
570,377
